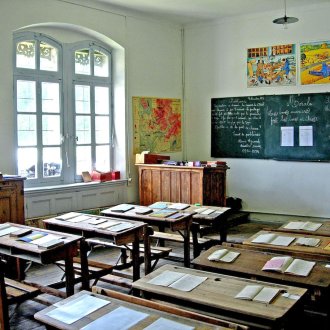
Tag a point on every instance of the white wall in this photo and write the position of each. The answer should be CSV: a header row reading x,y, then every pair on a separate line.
x,y
215,66
153,61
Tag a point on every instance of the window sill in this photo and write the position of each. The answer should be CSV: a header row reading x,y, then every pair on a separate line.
x,y
73,187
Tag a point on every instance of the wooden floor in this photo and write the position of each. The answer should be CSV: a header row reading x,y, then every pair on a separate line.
x,y
21,316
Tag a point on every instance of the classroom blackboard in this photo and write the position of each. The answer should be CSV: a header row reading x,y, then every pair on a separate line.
x,y
283,127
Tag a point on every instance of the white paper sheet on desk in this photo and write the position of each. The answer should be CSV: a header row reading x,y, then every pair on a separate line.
x,y
121,226
177,280
122,318
67,216
79,218
45,239
107,224
8,230
77,309
165,324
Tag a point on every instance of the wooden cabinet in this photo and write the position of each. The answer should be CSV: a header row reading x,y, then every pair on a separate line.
x,y
12,200
204,185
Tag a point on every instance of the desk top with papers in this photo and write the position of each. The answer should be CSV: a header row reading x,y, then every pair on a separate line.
x,y
307,228
38,245
216,295
92,225
249,264
304,246
86,310
151,215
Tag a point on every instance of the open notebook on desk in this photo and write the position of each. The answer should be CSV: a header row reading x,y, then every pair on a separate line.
x,y
289,265
273,239
258,293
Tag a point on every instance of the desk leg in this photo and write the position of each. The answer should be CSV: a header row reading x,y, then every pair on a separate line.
x,y
147,252
136,258
186,245
4,317
84,264
195,228
223,231
69,273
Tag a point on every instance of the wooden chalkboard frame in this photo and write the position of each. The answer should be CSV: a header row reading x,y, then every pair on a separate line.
x,y
281,127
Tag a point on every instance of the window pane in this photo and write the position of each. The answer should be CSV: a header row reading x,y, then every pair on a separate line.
x,y
27,162
82,61
83,129
48,57
82,99
52,163
102,158
102,100
83,158
102,129
26,130
51,132
25,54
101,64
50,97
26,96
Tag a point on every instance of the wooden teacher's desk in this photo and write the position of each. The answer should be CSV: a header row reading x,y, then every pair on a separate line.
x,y
12,247
135,314
305,252
126,236
181,225
216,295
249,264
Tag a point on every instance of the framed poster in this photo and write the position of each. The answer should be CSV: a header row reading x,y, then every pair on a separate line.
x,y
315,63
271,66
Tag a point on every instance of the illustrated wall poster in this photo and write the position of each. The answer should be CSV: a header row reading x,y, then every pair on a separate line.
x,y
315,63
271,66
157,124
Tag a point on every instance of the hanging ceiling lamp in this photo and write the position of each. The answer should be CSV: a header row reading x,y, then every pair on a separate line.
x,y
285,20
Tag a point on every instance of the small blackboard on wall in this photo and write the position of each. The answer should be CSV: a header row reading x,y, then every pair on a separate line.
x,y
283,127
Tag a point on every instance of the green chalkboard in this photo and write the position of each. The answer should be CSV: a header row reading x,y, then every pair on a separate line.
x,y
283,127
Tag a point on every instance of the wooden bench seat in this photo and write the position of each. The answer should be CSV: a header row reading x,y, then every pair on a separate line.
x,y
178,238
156,252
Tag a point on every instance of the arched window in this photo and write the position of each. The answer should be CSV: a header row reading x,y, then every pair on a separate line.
x,y
63,101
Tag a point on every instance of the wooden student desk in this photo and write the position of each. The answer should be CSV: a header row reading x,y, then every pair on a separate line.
x,y
12,247
181,225
250,262
131,235
153,310
216,296
217,220
299,251
324,230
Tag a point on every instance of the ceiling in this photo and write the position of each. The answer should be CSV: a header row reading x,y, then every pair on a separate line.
x,y
193,11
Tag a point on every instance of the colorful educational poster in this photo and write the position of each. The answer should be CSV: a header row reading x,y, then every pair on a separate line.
x,y
271,66
315,63
157,124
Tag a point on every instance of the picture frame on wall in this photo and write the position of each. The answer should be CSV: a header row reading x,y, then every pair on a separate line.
x,y
271,66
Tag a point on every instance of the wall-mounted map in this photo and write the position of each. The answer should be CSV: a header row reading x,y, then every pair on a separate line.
x,y
157,124
315,63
